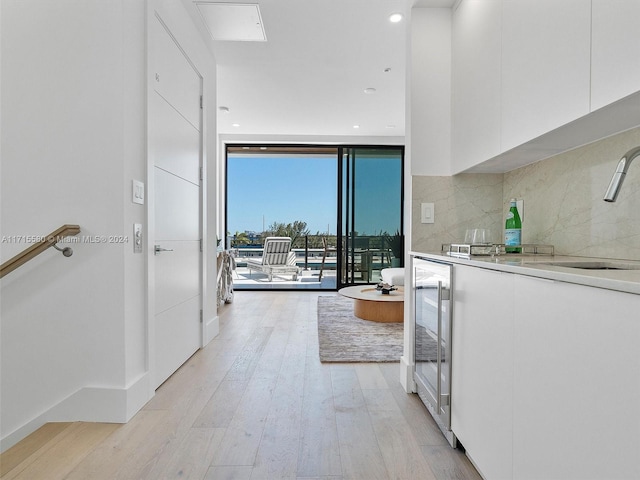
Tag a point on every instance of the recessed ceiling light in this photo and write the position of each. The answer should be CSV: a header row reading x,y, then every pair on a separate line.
x,y
356,126
235,124
224,109
370,90
395,17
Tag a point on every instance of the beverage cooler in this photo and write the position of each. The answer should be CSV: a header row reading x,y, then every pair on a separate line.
x,y
431,294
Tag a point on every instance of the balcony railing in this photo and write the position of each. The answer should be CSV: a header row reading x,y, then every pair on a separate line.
x,y
376,247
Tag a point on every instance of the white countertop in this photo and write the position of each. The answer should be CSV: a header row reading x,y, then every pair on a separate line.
x,y
538,266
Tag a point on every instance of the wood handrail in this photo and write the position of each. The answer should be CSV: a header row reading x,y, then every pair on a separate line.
x,y
37,248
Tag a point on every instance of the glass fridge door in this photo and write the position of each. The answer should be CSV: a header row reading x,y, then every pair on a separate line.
x,y
426,334
432,332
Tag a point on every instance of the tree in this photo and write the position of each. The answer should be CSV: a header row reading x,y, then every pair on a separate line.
x,y
395,243
293,230
240,238
315,241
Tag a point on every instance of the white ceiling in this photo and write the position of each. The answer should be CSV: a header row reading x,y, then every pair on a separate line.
x,y
309,77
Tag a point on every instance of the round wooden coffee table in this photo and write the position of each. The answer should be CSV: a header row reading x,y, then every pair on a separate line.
x,y
371,304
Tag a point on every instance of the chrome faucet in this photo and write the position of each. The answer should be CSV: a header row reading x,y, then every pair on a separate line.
x,y
620,173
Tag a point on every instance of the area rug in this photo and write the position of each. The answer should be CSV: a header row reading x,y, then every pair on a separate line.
x,y
343,337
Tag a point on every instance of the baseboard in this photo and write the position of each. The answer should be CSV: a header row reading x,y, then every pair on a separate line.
x,y
89,404
406,375
138,394
211,330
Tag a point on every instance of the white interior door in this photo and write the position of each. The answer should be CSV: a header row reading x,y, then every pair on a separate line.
x,y
175,147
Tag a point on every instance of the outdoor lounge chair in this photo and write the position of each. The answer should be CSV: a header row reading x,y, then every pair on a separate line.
x,y
277,258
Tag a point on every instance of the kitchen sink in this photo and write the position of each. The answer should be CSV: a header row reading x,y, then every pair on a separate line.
x,y
594,265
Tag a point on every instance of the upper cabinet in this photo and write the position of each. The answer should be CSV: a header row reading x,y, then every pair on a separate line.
x,y
615,69
530,78
545,66
476,63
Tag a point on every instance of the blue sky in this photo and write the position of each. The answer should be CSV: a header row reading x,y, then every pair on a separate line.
x,y
265,189
282,189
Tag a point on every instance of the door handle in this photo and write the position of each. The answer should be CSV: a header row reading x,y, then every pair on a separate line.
x,y
157,249
439,351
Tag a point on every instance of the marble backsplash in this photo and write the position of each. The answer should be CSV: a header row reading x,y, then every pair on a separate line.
x,y
460,202
563,203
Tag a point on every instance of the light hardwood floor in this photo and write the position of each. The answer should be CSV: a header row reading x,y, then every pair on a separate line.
x,y
256,403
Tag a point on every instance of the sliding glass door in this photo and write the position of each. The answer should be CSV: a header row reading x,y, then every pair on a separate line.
x,y
370,229
340,206
282,191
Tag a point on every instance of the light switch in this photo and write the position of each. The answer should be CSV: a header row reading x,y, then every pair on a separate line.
x,y
137,238
137,192
427,214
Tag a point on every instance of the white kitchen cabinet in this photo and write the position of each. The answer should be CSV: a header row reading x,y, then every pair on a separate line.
x,y
476,66
482,368
520,69
576,397
533,78
546,377
615,68
545,66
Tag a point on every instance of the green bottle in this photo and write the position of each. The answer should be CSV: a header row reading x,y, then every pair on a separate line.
x,y
513,229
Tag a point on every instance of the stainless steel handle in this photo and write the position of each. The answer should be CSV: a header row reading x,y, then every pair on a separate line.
x,y
439,351
446,293
157,249
446,397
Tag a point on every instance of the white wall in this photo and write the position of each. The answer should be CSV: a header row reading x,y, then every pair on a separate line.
x,y
62,159
74,330
427,126
430,91
134,167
